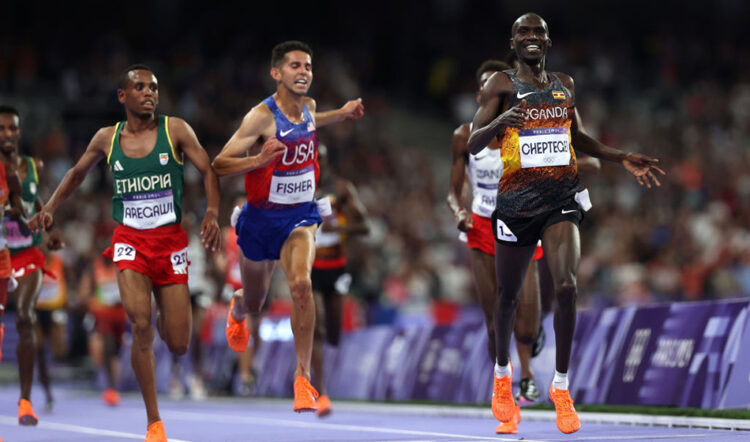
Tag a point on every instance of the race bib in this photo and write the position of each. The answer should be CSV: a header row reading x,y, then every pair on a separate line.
x,y
504,233
292,186
327,239
324,206
123,252
544,147
343,283
16,239
148,210
583,200
485,198
179,262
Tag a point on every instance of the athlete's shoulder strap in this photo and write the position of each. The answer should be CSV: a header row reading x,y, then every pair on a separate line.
x,y
164,122
31,168
115,133
306,113
272,106
555,78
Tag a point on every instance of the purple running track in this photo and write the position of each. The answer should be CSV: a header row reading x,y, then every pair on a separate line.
x,y
79,415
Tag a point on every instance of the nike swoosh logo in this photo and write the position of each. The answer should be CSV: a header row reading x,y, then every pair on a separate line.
x,y
520,95
569,211
284,133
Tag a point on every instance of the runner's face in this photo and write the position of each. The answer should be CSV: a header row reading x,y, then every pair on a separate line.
x,y
296,72
141,95
10,133
530,39
482,81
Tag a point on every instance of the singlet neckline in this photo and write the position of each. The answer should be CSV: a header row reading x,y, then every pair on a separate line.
x,y
281,111
551,76
156,143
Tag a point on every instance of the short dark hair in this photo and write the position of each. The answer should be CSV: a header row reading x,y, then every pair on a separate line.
x,y
280,50
122,83
514,28
9,110
490,66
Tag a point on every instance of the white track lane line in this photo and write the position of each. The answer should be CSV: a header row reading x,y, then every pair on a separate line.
x,y
651,437
12,420
170,415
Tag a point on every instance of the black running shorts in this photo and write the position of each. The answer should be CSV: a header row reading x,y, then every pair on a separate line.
x,y
331,281
521,232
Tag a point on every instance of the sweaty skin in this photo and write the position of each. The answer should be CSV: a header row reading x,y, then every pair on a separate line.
x,y
483,264
29,285
137,139
560,241
254,145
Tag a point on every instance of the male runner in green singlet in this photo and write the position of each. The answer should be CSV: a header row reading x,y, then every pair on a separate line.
x,y
145,154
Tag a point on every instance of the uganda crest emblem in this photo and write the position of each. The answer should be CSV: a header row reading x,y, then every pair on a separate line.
x,y
163,159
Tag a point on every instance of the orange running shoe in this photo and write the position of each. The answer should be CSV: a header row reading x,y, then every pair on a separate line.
x,y
238,335
503,405
156,432
567,417
111,397
512,426
26,415
304,395
324,406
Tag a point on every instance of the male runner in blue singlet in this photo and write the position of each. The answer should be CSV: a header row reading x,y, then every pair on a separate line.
x,y
276,147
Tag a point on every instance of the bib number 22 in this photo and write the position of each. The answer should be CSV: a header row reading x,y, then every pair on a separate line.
x,y
123,252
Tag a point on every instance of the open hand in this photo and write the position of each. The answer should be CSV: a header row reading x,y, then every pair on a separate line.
x,y
41,220
642,168
210,232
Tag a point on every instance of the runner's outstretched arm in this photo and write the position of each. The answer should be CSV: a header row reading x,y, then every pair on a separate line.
x,y
54,238
641,166
188,144
97,150
353,109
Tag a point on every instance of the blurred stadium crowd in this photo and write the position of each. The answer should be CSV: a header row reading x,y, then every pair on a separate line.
x,y
679,94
